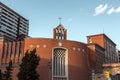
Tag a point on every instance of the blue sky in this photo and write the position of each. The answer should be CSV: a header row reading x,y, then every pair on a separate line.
x,y
80,17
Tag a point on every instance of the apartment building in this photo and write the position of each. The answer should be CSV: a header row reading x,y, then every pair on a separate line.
x,y
106,43
11,23
110,54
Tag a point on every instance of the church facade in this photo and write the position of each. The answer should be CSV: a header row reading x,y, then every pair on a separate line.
x,y
61,59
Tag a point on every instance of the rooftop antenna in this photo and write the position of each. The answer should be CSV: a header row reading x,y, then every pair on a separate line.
x,y
103,30
59,20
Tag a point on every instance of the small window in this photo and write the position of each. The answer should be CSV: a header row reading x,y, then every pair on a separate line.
x,y
90,39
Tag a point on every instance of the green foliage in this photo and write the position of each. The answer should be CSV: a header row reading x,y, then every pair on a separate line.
x,y
27,70
0,74
7,75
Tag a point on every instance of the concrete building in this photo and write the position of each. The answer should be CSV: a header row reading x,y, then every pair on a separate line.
x,y
106,43
118,51
11,23
110,54
96,57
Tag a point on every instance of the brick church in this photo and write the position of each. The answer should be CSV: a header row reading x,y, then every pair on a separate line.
x,y
61,59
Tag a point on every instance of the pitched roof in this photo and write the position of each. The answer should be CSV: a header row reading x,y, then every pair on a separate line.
x,y
60,27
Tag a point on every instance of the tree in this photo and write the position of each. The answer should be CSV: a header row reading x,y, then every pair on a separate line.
x,y
27,70
8,73
0,74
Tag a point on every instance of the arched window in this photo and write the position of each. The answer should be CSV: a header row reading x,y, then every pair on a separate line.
x,y
60,67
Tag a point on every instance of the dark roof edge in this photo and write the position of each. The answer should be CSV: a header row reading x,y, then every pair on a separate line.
x,y
104,35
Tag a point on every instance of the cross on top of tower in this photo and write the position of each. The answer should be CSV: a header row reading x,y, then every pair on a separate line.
x,y
60,32
59,20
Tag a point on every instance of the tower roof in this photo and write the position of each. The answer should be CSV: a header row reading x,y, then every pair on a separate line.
x,y
60,32
60,27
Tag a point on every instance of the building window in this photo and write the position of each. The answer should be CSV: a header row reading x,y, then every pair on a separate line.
x,y
60,32
60,64
74,48
83,50
90,39
37,46
78,49
44,46
31,46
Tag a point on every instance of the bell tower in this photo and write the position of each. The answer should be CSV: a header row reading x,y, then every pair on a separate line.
x,y
60,32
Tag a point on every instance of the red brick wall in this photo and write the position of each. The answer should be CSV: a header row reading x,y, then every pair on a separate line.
x,y
77,56
92,56
97,39
1,50
11,51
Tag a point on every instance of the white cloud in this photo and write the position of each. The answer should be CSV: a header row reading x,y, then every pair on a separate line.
x,y
106,9
100,9
113,10
110,11
117,10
